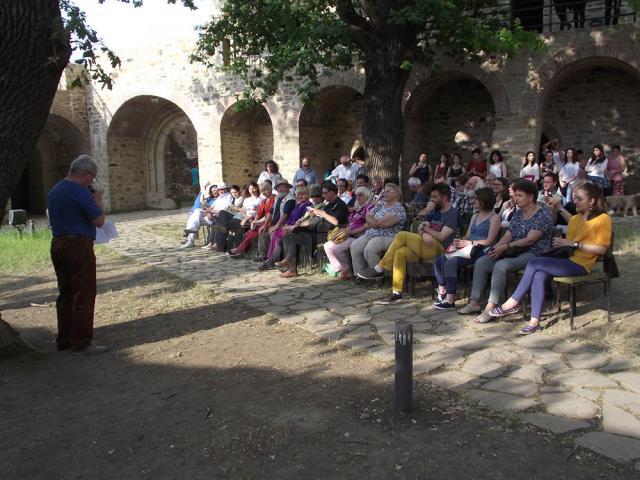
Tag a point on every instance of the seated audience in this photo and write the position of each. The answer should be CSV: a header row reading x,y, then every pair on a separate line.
x,y
260,224
234,219
208,214
420,198
436,234
293,220
334,213
384,221
343,190
501,188
356,225
588,235
483,232
528,235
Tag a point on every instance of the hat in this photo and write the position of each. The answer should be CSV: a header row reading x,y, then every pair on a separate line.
x,y
223,186
315,191
282,181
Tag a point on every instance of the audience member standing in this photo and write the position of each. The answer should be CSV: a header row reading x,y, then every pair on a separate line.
x,y
615,169
421,169
347,169
477,166
305,172
74,213
530,169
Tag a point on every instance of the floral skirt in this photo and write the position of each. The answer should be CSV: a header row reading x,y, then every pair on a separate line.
x,y
617,187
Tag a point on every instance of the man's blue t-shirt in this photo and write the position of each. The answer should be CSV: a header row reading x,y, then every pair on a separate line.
x,y
72,210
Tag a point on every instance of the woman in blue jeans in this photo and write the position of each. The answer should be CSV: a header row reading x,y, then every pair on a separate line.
x,y
530,228
483,231
588,233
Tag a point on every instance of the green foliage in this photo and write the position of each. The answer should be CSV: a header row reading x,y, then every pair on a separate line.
x,y
24,254
265,41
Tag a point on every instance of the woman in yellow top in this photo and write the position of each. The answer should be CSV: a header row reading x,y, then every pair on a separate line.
x,y
589,234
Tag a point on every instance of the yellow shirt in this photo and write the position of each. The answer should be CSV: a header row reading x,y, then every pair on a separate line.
x,y
596,231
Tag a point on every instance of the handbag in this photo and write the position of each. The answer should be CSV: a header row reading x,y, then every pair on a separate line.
x,y
558,252
337,235
472,252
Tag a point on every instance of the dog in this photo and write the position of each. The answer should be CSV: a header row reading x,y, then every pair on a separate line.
x,y
624,203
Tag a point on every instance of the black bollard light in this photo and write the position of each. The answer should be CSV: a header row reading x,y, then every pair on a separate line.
x,y
404,368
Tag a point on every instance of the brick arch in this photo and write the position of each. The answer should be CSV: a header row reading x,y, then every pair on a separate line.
x,y
225,103
554,69
348,79
421,77
73,118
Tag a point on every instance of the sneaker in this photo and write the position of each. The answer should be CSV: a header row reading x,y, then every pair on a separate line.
x,y
444,305
439,296
393,298
91,350
265,266
371,274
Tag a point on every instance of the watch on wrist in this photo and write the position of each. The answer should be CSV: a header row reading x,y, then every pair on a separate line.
x,y
575,245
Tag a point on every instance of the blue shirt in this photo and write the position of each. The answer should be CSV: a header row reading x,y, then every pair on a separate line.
x,y
72,209
308,175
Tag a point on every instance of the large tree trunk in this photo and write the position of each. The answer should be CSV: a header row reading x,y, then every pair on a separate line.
x,y
383,126
34,51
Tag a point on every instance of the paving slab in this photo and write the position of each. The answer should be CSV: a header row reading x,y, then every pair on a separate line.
x,y
619,448
502,401
582,378
568,404
383,353
590,360
628,380
618,364
426,349
483,368
539,340
512,386
455,380
616,420
529,373
554,423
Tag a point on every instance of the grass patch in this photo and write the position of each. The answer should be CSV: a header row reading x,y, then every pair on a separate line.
x,y
26,254
170,230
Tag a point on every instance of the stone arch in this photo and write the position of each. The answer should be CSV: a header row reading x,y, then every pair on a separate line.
x,y
349,79
330,125
595,101
152,145
455,112
422,78
545,76
60,142
246,143
73,118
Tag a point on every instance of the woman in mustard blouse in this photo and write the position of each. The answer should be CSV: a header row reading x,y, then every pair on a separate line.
x,y
588,233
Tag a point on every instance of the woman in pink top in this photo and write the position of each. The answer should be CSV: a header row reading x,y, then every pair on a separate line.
x,y
615,168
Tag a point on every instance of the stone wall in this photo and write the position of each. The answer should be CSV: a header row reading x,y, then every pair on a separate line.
x,y
494,105
246,144
127,174
455,117
597,105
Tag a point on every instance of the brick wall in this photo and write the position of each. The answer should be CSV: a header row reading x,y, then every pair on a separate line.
x,y
127,173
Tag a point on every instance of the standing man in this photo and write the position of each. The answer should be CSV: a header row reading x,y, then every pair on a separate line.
x,y
347,169
305,172
74,213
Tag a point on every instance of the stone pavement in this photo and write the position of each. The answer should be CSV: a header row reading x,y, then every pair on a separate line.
x,y
556,385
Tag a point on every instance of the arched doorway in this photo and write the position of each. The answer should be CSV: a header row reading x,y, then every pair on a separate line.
x,y
454,113
331,126
593,102
246,143
152,146
59,143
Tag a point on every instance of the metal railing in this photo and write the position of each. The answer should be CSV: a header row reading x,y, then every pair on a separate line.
x,y
546,16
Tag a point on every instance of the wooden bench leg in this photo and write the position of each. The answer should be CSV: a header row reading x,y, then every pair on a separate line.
x,y
558,299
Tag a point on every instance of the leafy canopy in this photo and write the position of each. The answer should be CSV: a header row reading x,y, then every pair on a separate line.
x,y
266,42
